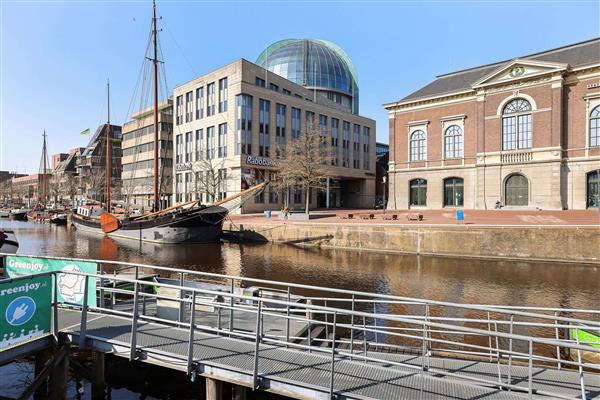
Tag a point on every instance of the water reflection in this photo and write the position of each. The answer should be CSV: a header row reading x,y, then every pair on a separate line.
x,y
444,279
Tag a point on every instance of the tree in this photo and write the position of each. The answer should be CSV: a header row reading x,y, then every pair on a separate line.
x,y
303,161
210,177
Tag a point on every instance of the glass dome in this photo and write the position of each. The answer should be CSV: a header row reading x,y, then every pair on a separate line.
x,y
315,64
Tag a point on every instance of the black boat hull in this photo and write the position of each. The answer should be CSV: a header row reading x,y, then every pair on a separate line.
x,y
189,226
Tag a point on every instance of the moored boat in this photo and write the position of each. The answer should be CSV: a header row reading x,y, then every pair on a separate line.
x,y
8,242
58,218
587,339
19,214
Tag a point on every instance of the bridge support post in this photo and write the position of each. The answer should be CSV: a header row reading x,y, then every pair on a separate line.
x,y
59,377
97,378
41,359
214,389
238,392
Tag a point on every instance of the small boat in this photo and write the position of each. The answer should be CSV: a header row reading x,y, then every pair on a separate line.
x,y
8,242
586,338
19,214
4,213
58,219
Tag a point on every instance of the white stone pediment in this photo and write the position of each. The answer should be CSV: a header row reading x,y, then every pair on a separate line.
x,y
518,70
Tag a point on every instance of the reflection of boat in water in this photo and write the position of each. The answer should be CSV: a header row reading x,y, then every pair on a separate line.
x,y
586,338
19,214
8,242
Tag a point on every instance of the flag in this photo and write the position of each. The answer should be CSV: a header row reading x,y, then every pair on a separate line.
x,y
86,132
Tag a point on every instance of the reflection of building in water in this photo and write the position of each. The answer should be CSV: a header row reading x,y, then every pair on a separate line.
x,y
232,259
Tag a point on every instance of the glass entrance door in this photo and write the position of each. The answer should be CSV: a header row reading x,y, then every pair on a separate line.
x,y
516,191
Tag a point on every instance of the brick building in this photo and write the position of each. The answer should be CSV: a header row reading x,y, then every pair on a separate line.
x,y
525,132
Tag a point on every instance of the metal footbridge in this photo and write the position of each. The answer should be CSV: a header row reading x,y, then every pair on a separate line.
x,y
306,341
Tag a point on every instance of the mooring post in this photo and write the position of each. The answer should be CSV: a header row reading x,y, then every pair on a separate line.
x,y
59,377
238,392
214,389
97,376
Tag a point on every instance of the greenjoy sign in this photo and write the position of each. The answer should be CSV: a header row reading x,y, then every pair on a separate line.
x,y
261,161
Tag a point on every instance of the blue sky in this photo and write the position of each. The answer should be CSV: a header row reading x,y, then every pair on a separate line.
x,y
56,55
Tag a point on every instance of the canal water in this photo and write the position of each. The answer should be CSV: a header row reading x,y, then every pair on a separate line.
x,y
446,279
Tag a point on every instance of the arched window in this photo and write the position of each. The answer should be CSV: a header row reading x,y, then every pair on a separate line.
x,y
516,125
453,142
418,146
516,191
453,192
418,192
595,127
593,189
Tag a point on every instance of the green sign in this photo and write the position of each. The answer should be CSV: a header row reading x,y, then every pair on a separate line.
x,y
24,309
70,286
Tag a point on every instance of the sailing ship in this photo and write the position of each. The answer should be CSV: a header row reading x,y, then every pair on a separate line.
x,y
190,222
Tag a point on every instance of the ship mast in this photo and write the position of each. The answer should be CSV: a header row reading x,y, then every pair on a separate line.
x,y
44,170
155,64
108,163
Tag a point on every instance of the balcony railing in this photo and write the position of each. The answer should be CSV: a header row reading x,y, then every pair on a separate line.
x,y
516,157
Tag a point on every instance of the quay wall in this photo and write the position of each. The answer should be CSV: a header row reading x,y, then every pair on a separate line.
x,y
543,243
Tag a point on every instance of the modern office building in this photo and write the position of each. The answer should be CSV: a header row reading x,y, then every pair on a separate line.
x,y
524,132
91,165
138,156
229,122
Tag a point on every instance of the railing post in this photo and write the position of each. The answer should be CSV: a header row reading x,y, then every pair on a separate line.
x,y
101,286
580,366
231,308
181,296
83,324
375,322
218,318
332,356
309,335
256,345
530,369
365,346
190,359
326,323
287,320
489,324
498,354
557,339
133,344
510,347
352,329
55,328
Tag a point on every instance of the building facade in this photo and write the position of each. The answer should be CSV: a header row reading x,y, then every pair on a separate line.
x,y
523,132
91,165
228,124
138,157
28,189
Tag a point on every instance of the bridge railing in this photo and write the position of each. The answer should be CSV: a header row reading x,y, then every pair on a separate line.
x,y
359,326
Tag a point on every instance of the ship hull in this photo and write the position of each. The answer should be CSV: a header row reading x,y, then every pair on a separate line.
x,y
187,227
18,215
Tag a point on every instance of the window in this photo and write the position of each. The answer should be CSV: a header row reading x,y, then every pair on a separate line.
x,y
453,142
222,174
285,91
593,189
260,82
356,146
200,103
335,131
366,146
273,195
179,110
188,147
516,125
178,149
310,121
210,99
198,186
296,122
516,191
298,194
188,186
263,128
210,143
189,106
346,144
453,192
223,95
178,188
223,140
595,127
280,114
323,125
418,192
274,87
199,140
418,146
243,131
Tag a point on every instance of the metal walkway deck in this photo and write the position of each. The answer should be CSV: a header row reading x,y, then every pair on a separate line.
x,y
296,373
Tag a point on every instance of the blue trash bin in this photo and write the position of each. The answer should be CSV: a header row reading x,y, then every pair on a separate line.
x,y
268,214
460,216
